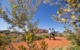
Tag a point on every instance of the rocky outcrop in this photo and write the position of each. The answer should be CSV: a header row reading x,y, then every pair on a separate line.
x,y
42,31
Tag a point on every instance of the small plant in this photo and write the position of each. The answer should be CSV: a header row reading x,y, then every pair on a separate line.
x,y
73,47
70,36
78,41
59,48
4,40
51,48
21,47
13,39
44,36
24,37
73,42
34,46
58,34
29,37
38,38
44,45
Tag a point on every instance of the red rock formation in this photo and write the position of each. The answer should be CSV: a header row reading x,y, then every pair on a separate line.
x,y
42,31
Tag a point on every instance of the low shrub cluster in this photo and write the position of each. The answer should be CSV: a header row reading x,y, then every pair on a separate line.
x,y
75,40
72,47
31,38
4,40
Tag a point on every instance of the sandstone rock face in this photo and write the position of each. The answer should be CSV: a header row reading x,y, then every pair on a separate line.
x,y
42,31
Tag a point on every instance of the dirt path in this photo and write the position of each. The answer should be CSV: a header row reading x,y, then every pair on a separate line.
x,y
60,41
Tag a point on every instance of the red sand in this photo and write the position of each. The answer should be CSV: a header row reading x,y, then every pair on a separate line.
x,y
60,41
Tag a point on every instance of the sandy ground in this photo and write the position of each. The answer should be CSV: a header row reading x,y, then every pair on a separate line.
x,y
59,42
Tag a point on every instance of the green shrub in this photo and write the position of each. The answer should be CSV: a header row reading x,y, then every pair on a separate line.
x,y
59,48
21,47
75,39
44,35
58,34
4,39
72,47
70,36
78,40
43,45
38,37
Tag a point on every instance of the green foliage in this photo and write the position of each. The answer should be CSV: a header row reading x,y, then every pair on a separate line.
x,y
59,34
24,37
59,48
44,35
73,42
36,37
78,41
13,39
21,47
72,47
29,38
69,11
4,40
22,12
14,7
69,36
44,45
34,46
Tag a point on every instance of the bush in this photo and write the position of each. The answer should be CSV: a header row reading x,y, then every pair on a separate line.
x,y
44,36
21,47
75,39
37,37
72,47
73,42
58,34
70,36
43,45
4,39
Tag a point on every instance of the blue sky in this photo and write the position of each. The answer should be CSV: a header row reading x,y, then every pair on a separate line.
x,y
43,14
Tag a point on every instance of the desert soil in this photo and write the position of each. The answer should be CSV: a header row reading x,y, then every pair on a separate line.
x,y
59,42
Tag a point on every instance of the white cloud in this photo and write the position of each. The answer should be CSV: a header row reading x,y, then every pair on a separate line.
x,y
51,4
46,1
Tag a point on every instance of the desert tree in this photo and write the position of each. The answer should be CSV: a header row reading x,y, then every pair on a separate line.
x,y
20,14
68,12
